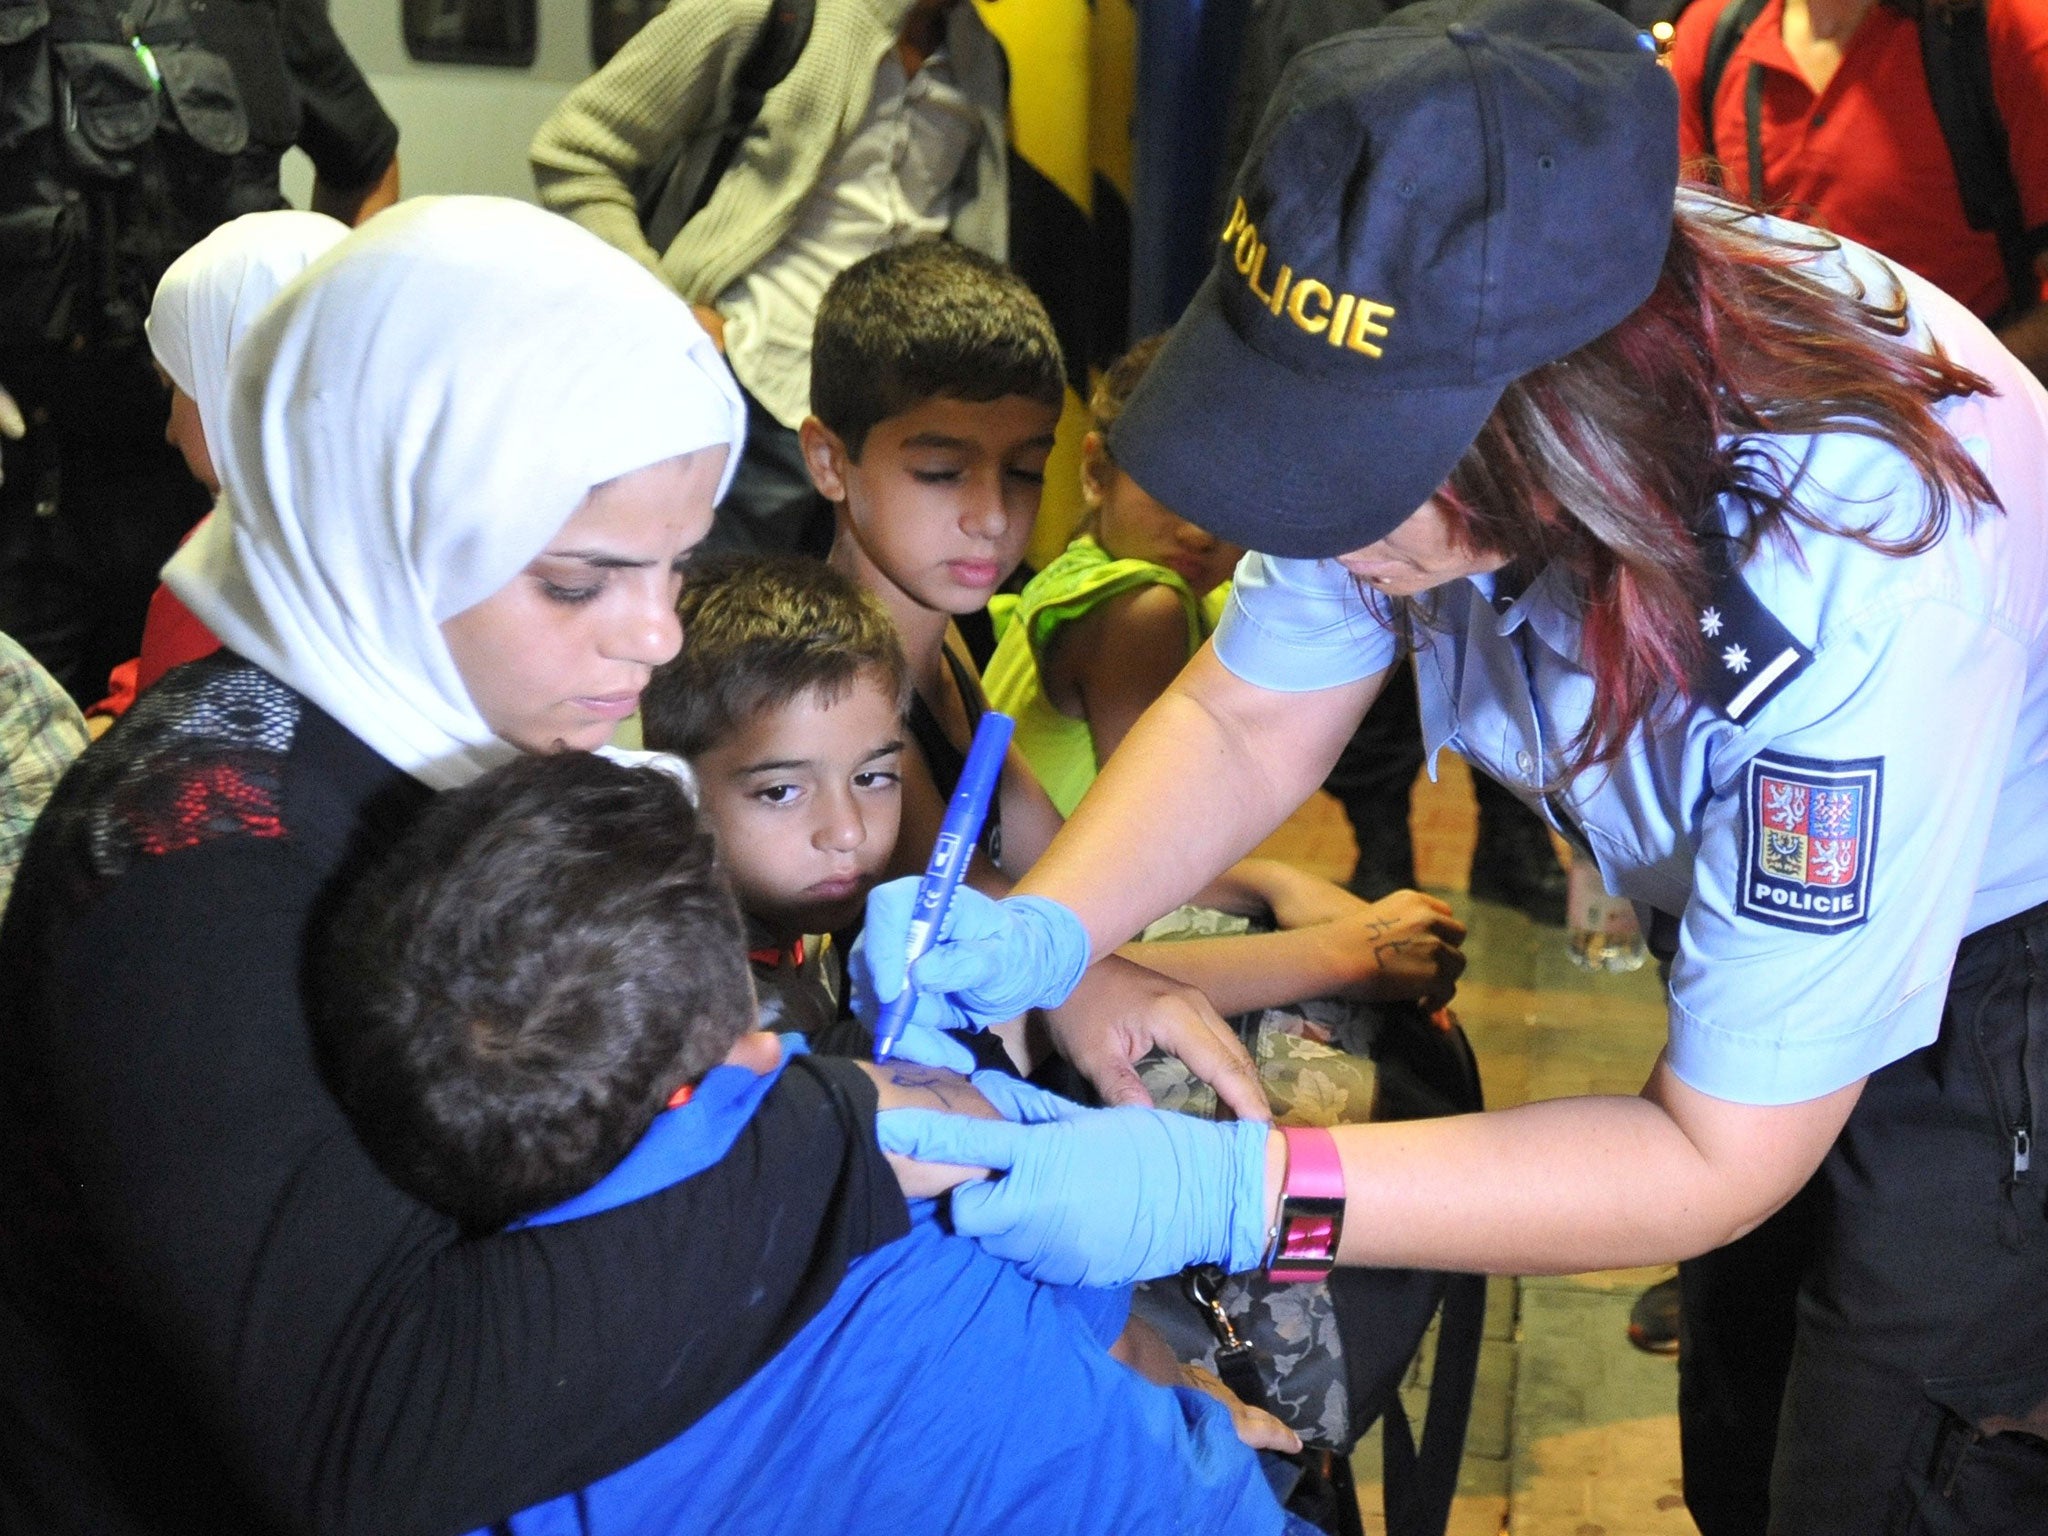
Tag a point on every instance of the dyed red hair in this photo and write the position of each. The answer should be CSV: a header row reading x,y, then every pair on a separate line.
x,y
1611,460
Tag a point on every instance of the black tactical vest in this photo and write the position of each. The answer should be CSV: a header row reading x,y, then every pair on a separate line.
x,y
125,136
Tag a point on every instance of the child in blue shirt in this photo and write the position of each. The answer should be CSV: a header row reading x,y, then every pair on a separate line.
x,y
787,699
539,1004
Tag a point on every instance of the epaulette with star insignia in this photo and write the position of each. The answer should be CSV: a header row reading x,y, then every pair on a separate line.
x,y
1750,656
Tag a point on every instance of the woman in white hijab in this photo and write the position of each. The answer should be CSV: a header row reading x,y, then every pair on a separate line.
x,y
466,453
204,305
475,396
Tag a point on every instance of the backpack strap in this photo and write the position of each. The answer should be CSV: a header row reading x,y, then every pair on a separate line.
x,y
1421,1480
1956,52
777,46
1730,27
769,58
1753,130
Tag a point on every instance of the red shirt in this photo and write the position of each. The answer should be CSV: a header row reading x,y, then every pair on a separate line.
x,y
1866,158
171,636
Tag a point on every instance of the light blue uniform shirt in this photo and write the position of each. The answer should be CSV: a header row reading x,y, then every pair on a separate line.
x,y
1828,847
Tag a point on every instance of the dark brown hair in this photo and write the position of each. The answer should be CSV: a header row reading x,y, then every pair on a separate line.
x,y
508,998
925,321
1106,403
758,632
1612,459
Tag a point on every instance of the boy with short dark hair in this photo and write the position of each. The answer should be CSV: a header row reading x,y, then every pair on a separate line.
x,y
759,631
509,999
549,959
938,1390
923,322
787,698
936,386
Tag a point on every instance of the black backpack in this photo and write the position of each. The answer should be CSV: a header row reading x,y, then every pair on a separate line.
x,y
1957,55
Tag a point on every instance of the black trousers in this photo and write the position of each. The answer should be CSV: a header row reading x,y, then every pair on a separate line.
x,y
1374,774
93,502
772,508
1873,1361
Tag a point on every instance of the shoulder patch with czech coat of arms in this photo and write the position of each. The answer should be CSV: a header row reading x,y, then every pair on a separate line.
x,y
1809,841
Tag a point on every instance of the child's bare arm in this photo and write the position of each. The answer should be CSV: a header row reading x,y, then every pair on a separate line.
x,y
1030,820
1406,947
1292,898
1255,1426
1112,664
905,1085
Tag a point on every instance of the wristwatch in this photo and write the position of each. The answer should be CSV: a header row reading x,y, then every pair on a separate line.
x,y
1304,1242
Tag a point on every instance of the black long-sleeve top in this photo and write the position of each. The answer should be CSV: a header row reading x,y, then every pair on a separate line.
x,y
215,1313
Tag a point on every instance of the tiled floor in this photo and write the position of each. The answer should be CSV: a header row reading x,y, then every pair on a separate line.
x,y
1573,1432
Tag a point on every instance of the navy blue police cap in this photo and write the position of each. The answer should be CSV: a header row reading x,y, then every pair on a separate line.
x,y
1430,208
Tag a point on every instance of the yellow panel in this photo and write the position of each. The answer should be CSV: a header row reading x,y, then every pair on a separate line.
x,y
1113,91
1047,41
1059,510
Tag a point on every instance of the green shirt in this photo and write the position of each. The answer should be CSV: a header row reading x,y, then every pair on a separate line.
x,y
1060,748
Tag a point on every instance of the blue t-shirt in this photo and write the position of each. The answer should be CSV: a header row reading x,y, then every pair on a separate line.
x,y
1827,848
938,1391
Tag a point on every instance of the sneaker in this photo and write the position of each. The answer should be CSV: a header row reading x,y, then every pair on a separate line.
x,y
1653,1321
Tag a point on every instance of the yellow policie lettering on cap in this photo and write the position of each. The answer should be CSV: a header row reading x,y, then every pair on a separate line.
x,y
1342,319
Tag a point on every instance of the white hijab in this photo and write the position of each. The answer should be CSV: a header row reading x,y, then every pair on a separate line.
x,y
211,295
409,424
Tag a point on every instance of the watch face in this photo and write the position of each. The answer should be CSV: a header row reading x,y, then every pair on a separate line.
x,y
1310,1228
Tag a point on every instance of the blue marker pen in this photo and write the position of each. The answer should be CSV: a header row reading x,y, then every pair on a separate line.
x,y
950,853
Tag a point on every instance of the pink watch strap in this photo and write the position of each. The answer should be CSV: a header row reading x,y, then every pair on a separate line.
x,y
1311,1207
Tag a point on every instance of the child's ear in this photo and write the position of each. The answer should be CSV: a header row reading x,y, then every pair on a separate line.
x,y
1096,468
825,457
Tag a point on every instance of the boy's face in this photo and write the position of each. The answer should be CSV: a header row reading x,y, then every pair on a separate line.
x,y
943,499
804,799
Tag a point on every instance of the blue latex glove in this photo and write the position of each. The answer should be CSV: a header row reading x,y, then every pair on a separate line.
x,y
1014,1099
1098,1196
927,1047
994,959
930,1013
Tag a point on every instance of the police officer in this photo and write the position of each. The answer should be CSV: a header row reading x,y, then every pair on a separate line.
x,y
127,131
1727,543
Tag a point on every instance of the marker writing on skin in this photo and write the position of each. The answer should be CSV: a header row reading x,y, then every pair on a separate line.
x,y
954,846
